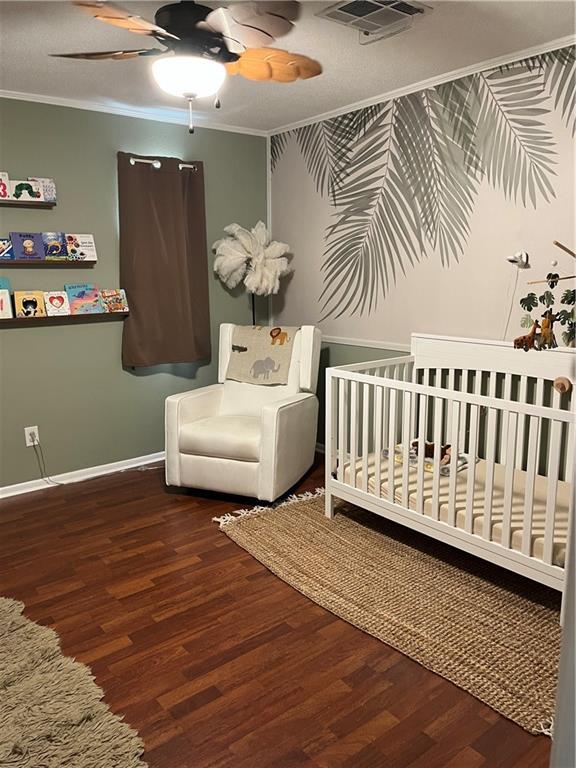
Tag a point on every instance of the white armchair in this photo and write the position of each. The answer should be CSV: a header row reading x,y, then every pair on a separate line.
x,y
246,439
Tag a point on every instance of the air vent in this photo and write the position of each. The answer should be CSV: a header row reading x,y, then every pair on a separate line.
x,y
374,19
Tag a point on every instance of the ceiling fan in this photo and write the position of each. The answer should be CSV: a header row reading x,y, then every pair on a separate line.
x,y
202,45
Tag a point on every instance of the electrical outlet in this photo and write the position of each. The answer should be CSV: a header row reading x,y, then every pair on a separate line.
x,y
32,436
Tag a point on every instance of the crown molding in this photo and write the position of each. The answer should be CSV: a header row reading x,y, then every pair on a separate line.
x,y
432,82
162,115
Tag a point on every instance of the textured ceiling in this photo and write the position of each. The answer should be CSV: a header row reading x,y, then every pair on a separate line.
x,y
454,35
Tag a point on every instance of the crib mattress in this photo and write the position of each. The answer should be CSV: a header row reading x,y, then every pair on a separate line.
x,y
519,485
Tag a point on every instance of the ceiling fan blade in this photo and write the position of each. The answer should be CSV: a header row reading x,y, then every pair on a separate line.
x,y
116,55
273,64
288,10
252,25
118,17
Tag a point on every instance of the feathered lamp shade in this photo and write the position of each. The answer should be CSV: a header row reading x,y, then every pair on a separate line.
x,y
250,256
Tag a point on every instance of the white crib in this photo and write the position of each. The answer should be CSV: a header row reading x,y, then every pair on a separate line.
x,y
512,503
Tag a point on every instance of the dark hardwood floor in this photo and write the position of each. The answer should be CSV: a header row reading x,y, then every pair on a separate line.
x,y
215,661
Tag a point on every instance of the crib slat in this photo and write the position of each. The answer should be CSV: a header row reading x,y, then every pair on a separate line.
x,y
353,432
506,394
531,469
392,445
365,434
412,378
464,416
539,396
522,397
331,423
472,454
569,458
478,383
378,441
386,411
406,446
449,414
552,486
421,447
342,426
489,479
509,478
438,418
492,384
455,424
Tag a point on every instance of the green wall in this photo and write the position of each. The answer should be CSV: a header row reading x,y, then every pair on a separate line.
x,y
343,354
68,380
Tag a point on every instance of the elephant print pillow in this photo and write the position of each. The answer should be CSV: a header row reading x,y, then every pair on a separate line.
x,y
260,354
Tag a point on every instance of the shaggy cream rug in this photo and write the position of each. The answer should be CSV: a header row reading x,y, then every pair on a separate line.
x,y
51,710
487,630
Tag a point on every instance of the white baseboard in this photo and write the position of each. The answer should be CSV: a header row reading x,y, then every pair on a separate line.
x,y
80,474
320,448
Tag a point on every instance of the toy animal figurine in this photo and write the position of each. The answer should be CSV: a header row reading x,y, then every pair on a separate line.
x,y
548,340
529,340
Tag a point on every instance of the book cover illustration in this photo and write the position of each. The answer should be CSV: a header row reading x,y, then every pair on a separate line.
x,y
22,189
48,187
27,246
55,248
81,247
29,304
114,300
56,303
84,299
5,303
6,249
5,193
5,284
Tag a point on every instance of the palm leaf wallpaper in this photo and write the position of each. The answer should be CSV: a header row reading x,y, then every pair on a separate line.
x,y
402,177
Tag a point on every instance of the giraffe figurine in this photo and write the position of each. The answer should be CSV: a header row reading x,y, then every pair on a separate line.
x,y
530,340
548,338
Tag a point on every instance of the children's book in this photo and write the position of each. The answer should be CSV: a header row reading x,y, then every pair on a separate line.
x,y
48,187
6,249
29,304
56,303
27,246
5,193
114,300
22,189
81,247
55,247
84,299
5,284
5,303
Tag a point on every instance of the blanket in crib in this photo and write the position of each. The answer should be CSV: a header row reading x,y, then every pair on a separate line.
x,y
260,354
462,460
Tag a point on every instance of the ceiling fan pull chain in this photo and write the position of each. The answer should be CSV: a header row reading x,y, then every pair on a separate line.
x,y
190,115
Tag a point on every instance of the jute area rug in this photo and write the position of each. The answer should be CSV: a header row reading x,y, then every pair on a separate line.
x,y
490,632
51,710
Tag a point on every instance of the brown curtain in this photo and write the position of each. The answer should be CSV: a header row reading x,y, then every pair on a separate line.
x,y
163,261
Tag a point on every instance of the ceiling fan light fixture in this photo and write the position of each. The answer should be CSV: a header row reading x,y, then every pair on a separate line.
x,y
189,76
